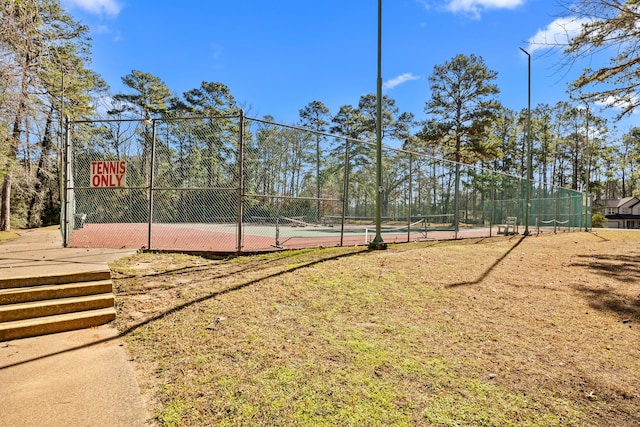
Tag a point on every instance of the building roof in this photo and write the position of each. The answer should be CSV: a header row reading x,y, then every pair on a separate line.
x,y
619,203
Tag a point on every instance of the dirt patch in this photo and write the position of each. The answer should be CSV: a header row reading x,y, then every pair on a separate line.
x,y
542,330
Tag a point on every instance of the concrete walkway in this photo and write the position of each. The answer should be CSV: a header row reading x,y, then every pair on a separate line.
x,y
78,378
41,252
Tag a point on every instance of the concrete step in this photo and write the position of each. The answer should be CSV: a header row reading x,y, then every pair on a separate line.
x,y
34,309
43,292
49,303
54,279
52,324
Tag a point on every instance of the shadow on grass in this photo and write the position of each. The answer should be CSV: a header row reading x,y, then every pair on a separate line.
x,y
252,266
191,269
624,269
607,300
595,234
491,267
239,286
187,304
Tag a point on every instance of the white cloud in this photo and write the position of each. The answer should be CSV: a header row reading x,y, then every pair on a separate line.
x,y
104,30
98,7
474,7
618,103
557,33
217,50
397,81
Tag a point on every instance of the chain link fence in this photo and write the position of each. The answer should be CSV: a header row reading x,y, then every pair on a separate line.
x,y
237,184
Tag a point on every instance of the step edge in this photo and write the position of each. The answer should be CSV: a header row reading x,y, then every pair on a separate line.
x,y
62,290
38,309
55,324
54,279
54,301
58,317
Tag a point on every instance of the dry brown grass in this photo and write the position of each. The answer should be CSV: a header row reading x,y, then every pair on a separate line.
x,y
543,330
8,235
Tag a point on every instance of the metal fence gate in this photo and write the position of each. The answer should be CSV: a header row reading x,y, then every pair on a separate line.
x,y
237,184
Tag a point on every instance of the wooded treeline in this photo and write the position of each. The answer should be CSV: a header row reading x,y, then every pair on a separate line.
x,y
45,76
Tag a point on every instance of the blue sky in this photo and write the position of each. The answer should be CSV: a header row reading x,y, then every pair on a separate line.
x,y
276,56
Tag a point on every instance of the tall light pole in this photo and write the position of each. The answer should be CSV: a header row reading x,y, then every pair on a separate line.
x,y
528,136
377,242
587,172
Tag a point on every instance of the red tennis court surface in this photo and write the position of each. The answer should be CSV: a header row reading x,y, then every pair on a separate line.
x,y
223,237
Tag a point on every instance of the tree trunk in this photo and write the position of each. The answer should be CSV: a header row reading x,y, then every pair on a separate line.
x,y
5,198
5,209
36,204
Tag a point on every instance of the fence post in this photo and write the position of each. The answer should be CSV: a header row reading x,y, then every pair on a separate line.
x,y
539,208
240,207
67,177
151,180
585,201
456,202
589,212
555,215
571,220
345,190
318,178
492,201
410,194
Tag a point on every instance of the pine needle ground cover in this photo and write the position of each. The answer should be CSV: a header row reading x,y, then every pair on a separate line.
x,y
509,331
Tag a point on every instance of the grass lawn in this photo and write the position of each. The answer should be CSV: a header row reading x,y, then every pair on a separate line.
x,y
7,235
508,331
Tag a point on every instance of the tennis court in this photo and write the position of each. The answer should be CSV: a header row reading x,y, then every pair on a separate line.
x,y
234,184
278,234
281,234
